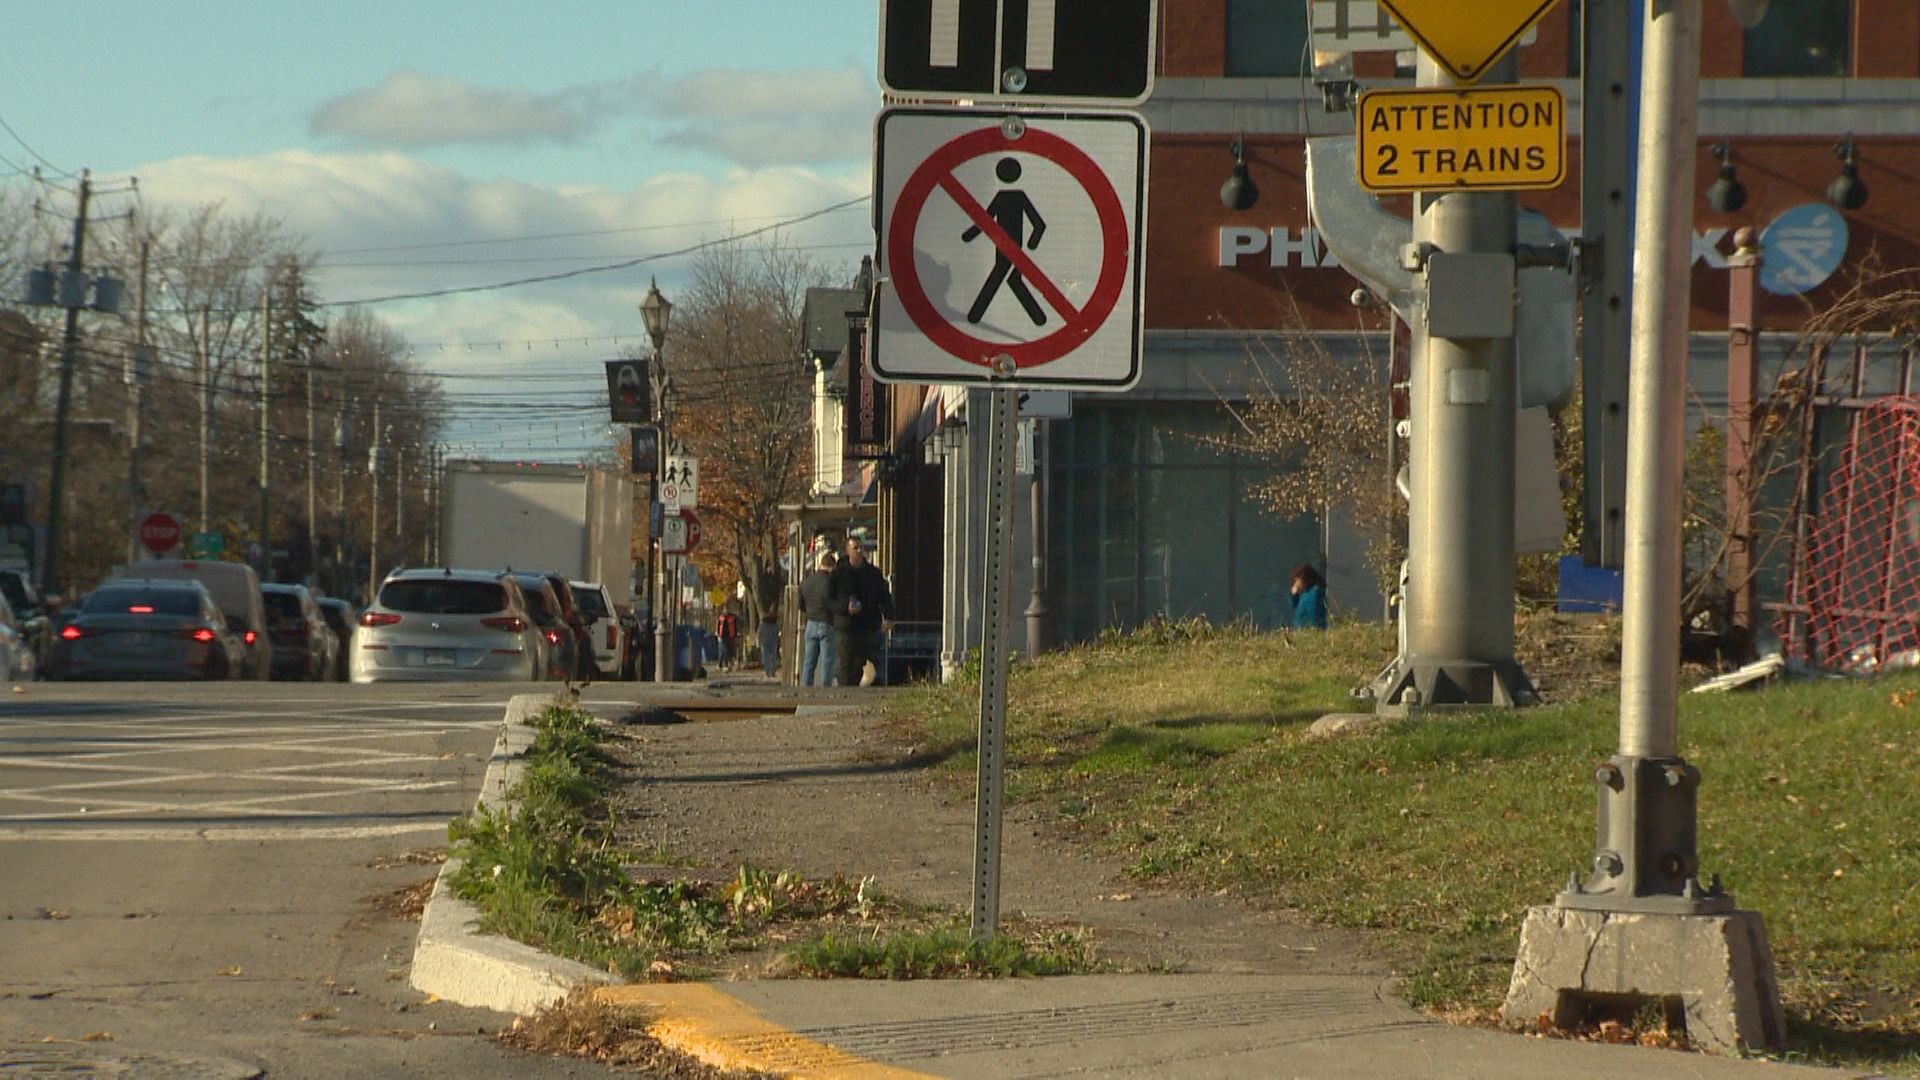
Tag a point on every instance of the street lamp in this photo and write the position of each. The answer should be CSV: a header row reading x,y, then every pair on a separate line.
x,y
657,312
1239,192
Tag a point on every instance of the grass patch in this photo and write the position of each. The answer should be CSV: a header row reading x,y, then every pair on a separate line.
x,y
943,953
542,869
1186,753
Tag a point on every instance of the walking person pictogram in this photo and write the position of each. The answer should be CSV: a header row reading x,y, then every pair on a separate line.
x,y
1011,210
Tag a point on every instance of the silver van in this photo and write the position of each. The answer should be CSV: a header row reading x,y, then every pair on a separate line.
x,y
236,588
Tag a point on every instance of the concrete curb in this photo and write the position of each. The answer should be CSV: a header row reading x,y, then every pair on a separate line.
x,y
455,962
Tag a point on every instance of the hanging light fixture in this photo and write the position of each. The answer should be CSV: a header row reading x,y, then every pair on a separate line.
x,y
1726,194
1239,192
1847,191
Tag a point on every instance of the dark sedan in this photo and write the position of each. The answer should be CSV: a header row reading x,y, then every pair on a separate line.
x,y
139,629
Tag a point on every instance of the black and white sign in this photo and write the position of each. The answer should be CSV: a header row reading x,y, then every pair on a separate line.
x,y
628,392
1032,51
680,483
1011,248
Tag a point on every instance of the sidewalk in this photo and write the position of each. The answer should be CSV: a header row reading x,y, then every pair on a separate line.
x,y
1252,996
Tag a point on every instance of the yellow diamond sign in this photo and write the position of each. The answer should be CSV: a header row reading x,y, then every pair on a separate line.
x,y
1467,36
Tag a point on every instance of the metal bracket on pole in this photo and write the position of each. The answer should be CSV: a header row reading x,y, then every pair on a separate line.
x,y
997,585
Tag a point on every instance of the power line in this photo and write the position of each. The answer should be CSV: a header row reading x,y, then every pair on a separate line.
x,y
627,264
37,155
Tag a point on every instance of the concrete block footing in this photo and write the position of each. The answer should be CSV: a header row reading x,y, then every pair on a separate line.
x,y
1713,971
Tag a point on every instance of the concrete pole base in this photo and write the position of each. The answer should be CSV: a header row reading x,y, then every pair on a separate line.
x,y
1714,972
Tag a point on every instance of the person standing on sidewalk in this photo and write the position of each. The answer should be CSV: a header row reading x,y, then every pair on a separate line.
x,y
862,614
770,585
817,653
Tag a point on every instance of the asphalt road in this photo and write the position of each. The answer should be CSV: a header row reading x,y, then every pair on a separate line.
x,y
193,879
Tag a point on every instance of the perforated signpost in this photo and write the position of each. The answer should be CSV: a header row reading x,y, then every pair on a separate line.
x,y
1011,250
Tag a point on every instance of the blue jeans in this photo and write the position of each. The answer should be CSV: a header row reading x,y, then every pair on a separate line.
x,y
817,654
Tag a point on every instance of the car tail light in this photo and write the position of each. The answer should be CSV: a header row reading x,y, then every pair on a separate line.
x,y
75,633
378,618
553,637
610,642
140,609
512,624
249,637
201,634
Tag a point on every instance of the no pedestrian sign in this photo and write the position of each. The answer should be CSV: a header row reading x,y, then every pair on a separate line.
x,y
1011,248
1496,138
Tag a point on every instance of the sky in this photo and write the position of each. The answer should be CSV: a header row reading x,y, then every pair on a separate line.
x,y
425,146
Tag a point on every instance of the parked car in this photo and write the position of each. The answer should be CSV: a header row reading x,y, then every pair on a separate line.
x,y
236,589
562,648
29,610
303,647
340,617
18,657
135,628
447,625
606,634
570,611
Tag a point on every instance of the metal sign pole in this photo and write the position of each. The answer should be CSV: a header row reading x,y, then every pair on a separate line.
x,y
997,584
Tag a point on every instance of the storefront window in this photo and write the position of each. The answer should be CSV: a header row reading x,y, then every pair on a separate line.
x,y
1807,38
1147,519
1267,38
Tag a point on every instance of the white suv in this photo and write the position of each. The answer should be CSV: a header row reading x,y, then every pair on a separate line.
x,y
603,627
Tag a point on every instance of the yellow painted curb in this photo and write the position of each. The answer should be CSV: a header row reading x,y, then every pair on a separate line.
x,y
717,1028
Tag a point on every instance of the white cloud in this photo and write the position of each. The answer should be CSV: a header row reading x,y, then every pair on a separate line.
x,y
410,109
750,118
385,224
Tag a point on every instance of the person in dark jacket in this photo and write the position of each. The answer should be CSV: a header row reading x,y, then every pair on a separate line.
x,y
862,614
817,652
1309,598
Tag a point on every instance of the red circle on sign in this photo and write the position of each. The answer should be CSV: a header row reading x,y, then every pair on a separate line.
x,y
1078,326
159,533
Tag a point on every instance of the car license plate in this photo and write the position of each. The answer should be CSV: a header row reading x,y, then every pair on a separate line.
x,y
440,657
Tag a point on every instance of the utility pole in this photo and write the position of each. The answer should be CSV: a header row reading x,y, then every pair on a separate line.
x,y
313,458
340,573
373,527
139,370
206,419
266,426
400,503
1683,940
1039,613
69,346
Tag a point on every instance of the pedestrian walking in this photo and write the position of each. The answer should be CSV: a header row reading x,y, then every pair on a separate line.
x,y
862,614
817,653
1309,591
727,628
770,623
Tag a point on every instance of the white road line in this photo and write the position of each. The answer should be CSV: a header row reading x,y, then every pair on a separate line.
x,y
222,833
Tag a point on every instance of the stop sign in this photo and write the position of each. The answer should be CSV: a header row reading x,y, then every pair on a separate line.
x,y
159,533
693,528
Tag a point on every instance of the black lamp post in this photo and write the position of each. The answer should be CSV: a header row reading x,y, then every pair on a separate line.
x,y
1726,194
1239,192
657,312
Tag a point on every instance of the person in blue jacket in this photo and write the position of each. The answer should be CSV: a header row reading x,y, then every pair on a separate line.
x,y
1309,598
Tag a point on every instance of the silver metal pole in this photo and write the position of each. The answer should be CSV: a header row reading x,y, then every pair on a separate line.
x,y
996,584
1656,402
1457,623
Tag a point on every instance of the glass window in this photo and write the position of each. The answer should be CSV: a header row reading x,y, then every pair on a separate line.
x,y
143,601
1801,38
1267,38
592,604
1188,530
1266,549
443,597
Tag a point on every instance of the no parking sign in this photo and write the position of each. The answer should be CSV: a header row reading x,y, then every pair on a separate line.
x,y
1011,248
